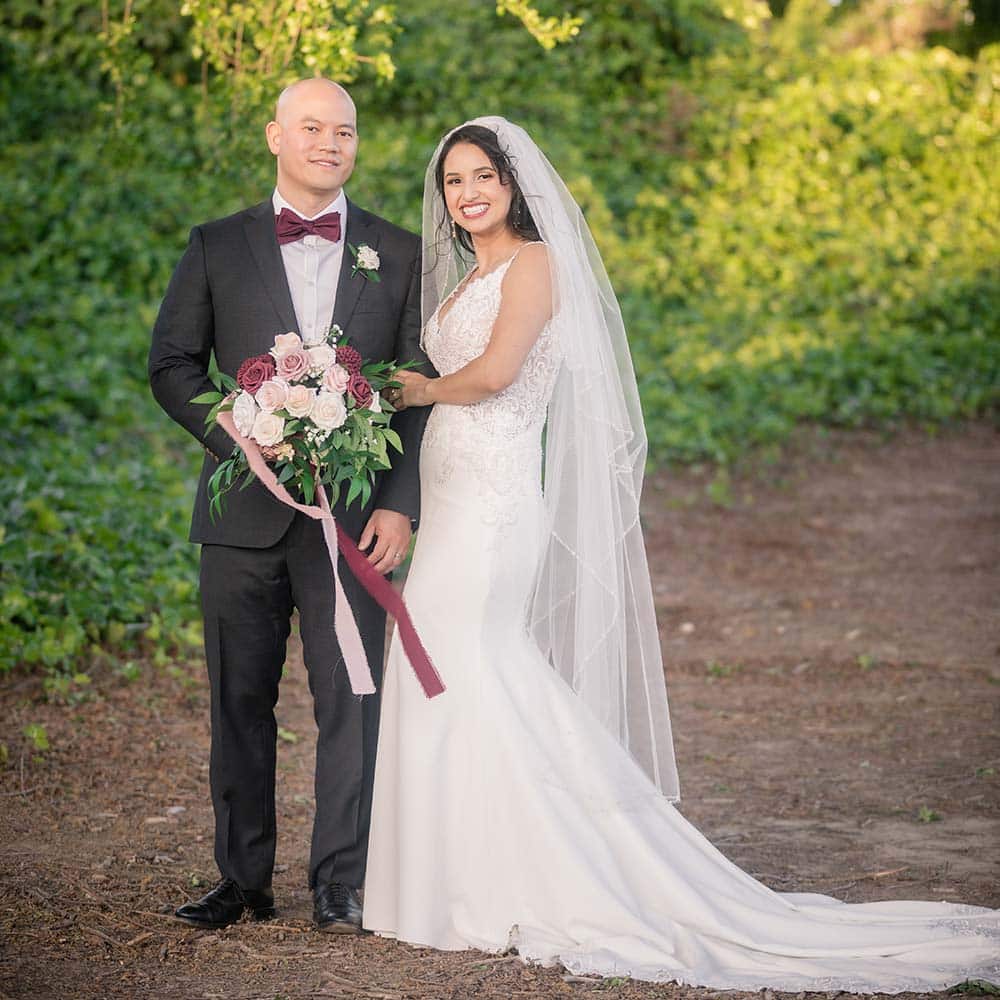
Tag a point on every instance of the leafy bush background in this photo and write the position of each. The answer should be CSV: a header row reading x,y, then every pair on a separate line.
x,y
799,229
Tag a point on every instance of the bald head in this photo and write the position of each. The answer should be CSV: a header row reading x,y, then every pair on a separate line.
x,y
315,88
314,139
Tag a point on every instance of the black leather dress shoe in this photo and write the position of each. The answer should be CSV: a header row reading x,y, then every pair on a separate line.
x,y
225,904
337,909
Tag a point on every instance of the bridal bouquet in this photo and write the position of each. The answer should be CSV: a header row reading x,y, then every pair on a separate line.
x,y
315,411
312,415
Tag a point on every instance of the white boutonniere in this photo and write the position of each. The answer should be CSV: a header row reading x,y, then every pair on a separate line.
x,y
366,261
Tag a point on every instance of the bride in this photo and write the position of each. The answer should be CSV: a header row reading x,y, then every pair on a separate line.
x,y
531,805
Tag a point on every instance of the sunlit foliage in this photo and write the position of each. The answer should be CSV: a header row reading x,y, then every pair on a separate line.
x,y
801,224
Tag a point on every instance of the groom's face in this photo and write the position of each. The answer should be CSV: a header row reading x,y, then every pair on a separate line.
x,y
315,140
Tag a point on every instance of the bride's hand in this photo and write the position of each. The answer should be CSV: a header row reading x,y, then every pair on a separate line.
x,y
414,391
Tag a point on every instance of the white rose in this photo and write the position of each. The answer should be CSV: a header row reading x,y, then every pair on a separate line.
x,y
368,258
285,343
272,395
300,400
329,411
335,378
321,357
244,412
375,406
268,429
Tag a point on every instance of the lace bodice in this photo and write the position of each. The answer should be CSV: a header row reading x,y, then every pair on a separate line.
x,y
463,335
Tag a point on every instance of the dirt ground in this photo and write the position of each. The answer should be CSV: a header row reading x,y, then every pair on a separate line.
x,y
831,629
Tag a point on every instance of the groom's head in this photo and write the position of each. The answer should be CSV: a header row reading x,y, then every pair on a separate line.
x,y
314,138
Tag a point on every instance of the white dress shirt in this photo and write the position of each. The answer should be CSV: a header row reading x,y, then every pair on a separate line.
x,y
312,266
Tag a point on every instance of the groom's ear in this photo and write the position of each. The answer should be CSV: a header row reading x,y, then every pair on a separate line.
x,y
273,133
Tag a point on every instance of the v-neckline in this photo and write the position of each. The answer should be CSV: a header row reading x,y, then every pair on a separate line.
x,y
444,310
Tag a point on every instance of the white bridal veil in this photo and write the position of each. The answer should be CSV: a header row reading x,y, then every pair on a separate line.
x,y
592,611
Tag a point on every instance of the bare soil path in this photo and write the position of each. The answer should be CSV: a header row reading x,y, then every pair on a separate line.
x,y
831,627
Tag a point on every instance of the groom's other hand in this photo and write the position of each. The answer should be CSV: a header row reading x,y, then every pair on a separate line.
x,y
390,531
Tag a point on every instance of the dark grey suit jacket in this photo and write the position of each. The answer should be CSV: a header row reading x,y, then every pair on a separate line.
x,y
229,295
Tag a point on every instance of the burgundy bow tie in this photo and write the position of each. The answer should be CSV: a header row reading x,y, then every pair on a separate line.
x,y
291,227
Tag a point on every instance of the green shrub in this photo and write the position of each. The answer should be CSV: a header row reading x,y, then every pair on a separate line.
x,y
796,233
96,480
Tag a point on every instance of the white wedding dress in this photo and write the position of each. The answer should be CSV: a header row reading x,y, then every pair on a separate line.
x,y
505,815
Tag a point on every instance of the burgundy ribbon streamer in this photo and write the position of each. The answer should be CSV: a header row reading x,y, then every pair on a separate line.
x,y
389,599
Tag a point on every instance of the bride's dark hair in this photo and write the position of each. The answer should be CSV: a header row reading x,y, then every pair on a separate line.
x,y
519,215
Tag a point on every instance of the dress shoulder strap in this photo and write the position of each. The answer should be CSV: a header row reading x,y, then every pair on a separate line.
x,y
510,260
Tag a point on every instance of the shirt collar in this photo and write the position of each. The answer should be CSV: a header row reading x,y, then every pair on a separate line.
x,y
339,204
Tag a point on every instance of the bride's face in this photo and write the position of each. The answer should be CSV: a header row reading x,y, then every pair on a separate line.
x,y
477,199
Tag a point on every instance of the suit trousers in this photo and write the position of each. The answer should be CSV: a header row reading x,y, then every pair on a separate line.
x,y
248,596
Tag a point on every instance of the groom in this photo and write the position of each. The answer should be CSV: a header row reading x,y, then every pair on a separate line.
x,y
279,266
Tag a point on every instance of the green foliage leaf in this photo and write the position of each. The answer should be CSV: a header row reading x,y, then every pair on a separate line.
x,y
308,485
38,736
393,439
354,490
226,384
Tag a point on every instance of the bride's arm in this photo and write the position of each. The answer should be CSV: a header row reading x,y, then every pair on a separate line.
x,y
525,308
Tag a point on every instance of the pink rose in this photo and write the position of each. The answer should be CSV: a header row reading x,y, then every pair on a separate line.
x,y
268,429
272,395
294,365
360,388
329,411
335,379
300,400
321,357
349,358
284,344
244,413
254,372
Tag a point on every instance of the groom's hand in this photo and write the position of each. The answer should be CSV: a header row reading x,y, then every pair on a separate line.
x,y
390,531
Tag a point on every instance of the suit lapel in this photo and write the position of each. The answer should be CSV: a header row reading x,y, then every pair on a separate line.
x,y
361,230
259,228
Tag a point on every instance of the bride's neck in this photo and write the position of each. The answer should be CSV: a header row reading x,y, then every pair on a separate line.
x,y
493,249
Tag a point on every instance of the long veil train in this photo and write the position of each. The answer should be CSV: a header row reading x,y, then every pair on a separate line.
x,y
530,804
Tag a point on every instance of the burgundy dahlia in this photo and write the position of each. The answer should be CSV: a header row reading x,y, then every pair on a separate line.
x,y
349,358
254,372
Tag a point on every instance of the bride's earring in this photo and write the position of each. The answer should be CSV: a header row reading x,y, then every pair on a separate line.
x,y
454,233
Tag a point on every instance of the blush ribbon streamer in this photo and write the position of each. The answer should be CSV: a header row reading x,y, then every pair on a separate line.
x,y
337,540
